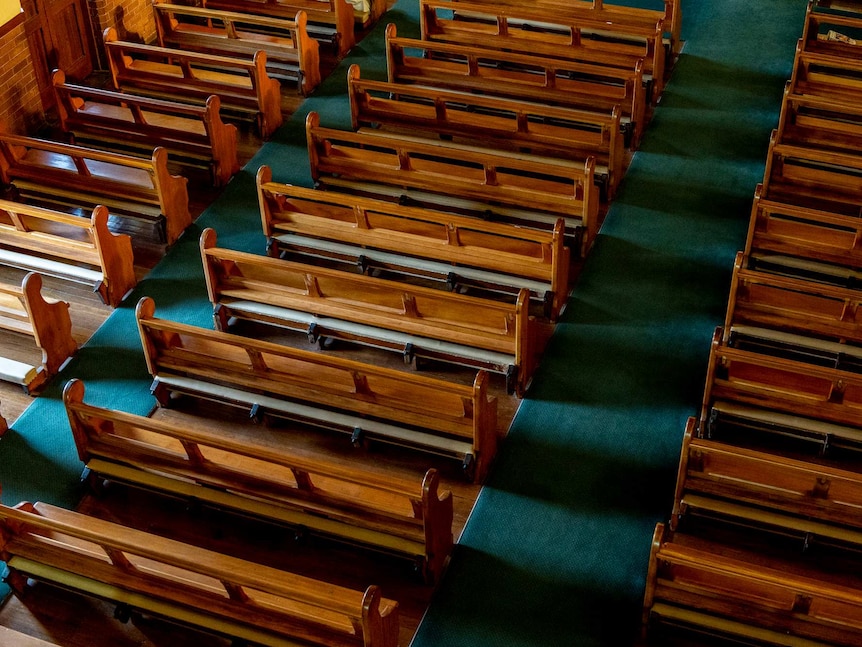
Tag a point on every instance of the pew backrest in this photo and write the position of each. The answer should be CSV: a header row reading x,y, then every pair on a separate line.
x,y
290,51
425,413
447,244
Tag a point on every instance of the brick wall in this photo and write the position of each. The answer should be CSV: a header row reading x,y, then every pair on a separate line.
x,y
20,105
133,19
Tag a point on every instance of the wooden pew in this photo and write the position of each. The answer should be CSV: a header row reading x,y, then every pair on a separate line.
x,y
362,400
24,310
11,638
504,123
831,33
431,244
549,32
584,86
813,177
140,191
766,491
792,304
793,232
416,321
833,77
193,135
328,20
788,387
529,190
820,122
710,587
68,247
165,73
182,583
336,498
670,16
290,52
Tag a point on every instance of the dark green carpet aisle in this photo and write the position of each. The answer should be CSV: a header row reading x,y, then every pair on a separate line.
x,y
555,552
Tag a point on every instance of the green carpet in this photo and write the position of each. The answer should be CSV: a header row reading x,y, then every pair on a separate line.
x,y
555,552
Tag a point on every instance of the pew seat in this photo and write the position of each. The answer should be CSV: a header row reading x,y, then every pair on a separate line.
x,y
415,321
194,136
746,595
142,192
496,121
24,311
329,21
408,518
826,75
820,122
525,189
242,84
360,400
68,247
290,52
828,32
179,582
376,234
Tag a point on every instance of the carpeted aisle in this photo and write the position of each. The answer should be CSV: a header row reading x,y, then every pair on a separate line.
x,y
555,552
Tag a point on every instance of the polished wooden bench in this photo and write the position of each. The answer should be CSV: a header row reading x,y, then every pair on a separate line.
x,y
789,387
25,311
792,234
502,123
11,638
69,247
792,304
194,136
290,52
142,192
549,32
526,189
416,321
825,75
764,490
585,86
813,177
187,584
457,250
410,518
165,73
329,21
362,400
820,122
745,595
827,32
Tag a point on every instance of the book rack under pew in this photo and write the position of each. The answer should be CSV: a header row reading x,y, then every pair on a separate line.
x,y
186,584
586,86
23,310
820,122
194,136
68,247
410,518
290,52
833,77
329,21
414,321
243,85
827,32
374,234
141,192
535,30
525,189
360,400
503,123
